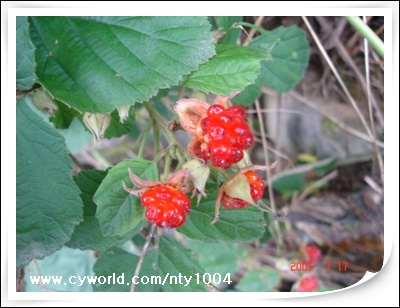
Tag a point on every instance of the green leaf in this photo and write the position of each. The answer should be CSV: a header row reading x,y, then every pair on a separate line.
x,y
233,68
118,211
175,259
88,235
48,202
219,258
295,179
25,55
170,261
235,225
232,34
259,280
119,264
290,51
64,115
249,94
116,128
95,64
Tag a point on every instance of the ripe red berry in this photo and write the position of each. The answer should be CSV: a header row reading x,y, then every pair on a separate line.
x,y
224,135
166,206
308,284
257,185
313,253
256,190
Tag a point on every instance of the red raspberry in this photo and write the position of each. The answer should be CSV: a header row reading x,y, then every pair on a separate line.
x,y
257,185
166,206
308,284
215,110
313,253
256,189
224,135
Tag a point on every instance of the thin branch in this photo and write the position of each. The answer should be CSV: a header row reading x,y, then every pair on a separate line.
x,y
35,265
342,51
253,31
274,110
321,182
140,262
373,185
371,116
21,280
339,79
267,162
276,152
334,119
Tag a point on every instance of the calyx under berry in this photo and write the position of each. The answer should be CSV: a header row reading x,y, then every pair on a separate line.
x,y
244,189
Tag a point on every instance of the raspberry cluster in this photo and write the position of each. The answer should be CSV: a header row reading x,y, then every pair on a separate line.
x,y
223,135
166,206
256,189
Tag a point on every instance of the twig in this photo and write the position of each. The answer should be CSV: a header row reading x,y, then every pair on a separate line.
x,y
267,162
334,119
342,51
276,152
275,110
321,182
371,117
373,185
253,31
21,279
140,262
338,78
35,265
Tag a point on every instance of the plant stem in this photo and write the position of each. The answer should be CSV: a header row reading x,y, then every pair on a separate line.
x,y
166,167
156,132
259,29
225,174
163,124
181,91
140,262
144,139
181,160
367,32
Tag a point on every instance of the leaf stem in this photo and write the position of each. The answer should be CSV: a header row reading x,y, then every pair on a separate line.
x,y
367,33
144,139
166,167
246,24
156,132
163,124
140,262
181,91
225,174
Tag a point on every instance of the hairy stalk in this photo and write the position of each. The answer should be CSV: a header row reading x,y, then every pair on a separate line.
x,y
144,139
167,167
156,133
163,124
140,262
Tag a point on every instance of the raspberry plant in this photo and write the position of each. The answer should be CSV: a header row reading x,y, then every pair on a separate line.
x,y
102,71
